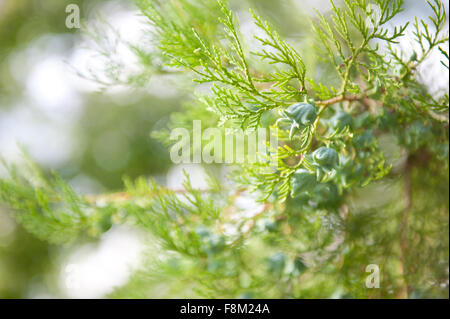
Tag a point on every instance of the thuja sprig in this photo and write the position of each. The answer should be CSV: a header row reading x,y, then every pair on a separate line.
x,y
361,17
283,54
331,131
427,39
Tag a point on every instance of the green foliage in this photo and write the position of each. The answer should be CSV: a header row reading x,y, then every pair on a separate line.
x,y
48,207
362,174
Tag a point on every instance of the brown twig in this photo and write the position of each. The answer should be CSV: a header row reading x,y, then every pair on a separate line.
x,y
340,98
364,99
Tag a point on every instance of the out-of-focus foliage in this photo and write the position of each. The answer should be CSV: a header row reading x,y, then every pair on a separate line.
x,y
111,134
362,175
24,21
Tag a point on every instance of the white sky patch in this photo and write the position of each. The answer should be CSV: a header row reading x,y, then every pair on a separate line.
x,y
249,206
308,6
198,176
249,30
94,270
46,142
162,86
117,29
50,88
86,185
42,120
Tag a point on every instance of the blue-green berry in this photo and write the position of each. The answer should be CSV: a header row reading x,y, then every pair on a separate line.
x,y
276,263
302,181
326,157
303,113
300,265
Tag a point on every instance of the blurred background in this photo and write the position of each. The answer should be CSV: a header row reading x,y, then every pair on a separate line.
x,y
91,136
